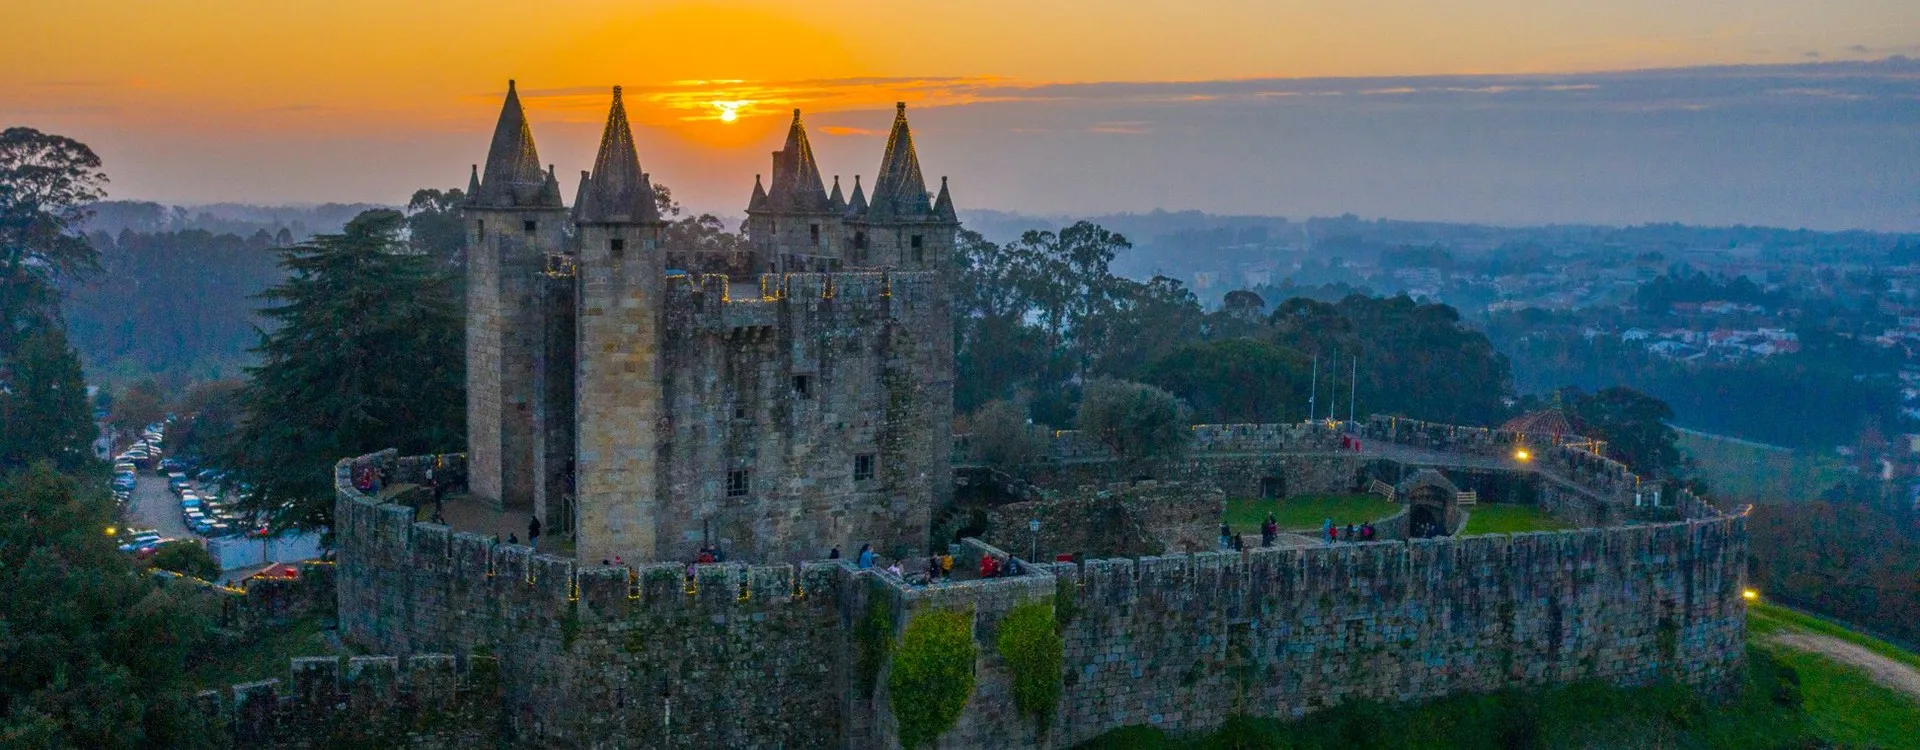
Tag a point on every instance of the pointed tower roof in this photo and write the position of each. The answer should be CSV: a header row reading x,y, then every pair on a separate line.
x,y
581,196
759,200
835,201
513,177
617,192
900,190
550,190
473,182
858,204
796,176
943,205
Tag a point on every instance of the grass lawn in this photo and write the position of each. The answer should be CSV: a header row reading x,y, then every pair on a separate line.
x,y
1843,704
1752,473
1510,519
265,657
1308,511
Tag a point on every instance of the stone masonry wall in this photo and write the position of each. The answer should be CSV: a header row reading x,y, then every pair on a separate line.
x,y
426,702
1183,642
760,656
788,391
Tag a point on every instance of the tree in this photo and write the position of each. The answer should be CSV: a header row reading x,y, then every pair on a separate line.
x,y
93,654
1237,380
1003,437
365,353
209,417
1635,427
1134,420
186,558
43,404
435,227
46,184
141,405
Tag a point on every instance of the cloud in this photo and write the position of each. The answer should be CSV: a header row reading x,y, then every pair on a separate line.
x,y
1124,127
845,130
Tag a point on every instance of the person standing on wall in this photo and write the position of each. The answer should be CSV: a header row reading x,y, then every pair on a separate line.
x,y
533,532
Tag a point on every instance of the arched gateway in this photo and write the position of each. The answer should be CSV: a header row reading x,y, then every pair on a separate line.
x,y
1430,503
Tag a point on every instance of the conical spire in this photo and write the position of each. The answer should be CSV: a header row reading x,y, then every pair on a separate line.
x,y
550,190
473,182
582,196
618,192
858,204
943,205
759,200
513,176
796,176
900,190
835,201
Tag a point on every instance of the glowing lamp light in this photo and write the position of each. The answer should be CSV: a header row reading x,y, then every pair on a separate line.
x,y
1750,595
1523,455
112,531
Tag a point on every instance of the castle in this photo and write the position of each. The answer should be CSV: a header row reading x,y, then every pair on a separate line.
x,y
647,400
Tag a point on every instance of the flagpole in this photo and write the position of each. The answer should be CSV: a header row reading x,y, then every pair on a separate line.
x,y
1313,393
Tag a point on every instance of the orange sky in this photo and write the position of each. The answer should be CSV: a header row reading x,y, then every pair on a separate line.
x,y
241,79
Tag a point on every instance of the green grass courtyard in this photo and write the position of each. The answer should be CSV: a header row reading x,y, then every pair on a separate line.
x,y
1308,511
1510,519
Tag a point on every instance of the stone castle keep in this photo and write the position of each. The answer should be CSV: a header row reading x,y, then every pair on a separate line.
x,y
797,396
772,403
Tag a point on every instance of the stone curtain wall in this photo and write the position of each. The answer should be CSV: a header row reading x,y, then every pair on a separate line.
x,y
761,656
740,657
1183,642
1149,518
876,361
435,701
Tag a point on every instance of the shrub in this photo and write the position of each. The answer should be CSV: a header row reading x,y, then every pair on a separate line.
x,y
186,558
1034,653
932,675
873,639
1134,420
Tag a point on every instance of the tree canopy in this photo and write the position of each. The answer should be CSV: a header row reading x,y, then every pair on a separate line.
x,y
365,353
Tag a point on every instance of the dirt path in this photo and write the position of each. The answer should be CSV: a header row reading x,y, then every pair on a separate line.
x,y
1883,670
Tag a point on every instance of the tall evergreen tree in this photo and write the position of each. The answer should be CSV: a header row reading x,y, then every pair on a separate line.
x,y
365,353
43,404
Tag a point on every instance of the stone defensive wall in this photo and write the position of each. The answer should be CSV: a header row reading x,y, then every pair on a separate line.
x,y
764,656
709,301
423,701
1245,460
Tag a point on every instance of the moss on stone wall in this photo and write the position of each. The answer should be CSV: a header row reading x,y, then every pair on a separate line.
x,y
1034,652
932,676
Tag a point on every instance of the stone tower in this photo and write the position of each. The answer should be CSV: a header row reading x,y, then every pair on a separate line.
x,y
617,393
900,225
795,225
514,219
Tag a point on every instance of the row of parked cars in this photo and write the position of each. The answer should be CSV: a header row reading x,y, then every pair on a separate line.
x,y
142,455
201,506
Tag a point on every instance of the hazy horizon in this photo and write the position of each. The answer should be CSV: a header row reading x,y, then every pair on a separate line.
x,y
1493,112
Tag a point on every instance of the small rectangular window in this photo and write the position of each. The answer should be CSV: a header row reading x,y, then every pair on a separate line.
x,y
480,229
915,242
531,226
860,240
863,467
739,412
801,386
814,229
737,483
617,245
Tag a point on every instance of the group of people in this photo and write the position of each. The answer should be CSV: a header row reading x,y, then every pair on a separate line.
x,y
1362,533
1269,533
939,567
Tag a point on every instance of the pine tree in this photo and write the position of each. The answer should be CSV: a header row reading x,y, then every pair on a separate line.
x,y
365,353
43,404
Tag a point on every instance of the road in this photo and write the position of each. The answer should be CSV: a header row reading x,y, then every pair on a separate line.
x,y
156,507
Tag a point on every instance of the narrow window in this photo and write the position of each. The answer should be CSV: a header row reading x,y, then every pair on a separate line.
x,y
480,229
814,229
737,483
863,467
915,241
531,226
801,386
617,245
860,240
739,412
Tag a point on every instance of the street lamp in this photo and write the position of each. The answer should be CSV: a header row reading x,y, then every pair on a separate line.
x,y
1033,547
